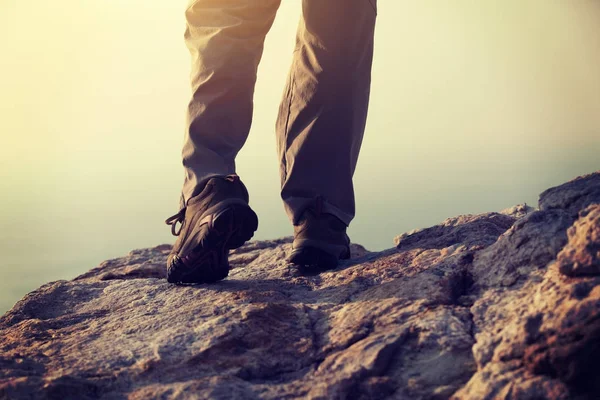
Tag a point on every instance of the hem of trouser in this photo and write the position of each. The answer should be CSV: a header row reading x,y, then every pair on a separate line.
x,y
190,190
295,207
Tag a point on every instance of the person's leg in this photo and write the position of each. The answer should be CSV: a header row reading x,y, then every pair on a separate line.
x,y
323,113
225,39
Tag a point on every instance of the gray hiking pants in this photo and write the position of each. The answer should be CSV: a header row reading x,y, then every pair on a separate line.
x,y
324,108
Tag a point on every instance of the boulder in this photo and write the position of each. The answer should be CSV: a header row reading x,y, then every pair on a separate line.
x,y
496,305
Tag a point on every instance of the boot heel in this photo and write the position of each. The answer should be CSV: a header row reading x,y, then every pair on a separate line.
x,y
238,223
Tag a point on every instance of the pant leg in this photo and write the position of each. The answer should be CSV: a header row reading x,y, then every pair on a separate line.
x,y
225,39
323,113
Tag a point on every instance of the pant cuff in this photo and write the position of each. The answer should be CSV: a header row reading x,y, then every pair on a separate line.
x,y
191,189
295,207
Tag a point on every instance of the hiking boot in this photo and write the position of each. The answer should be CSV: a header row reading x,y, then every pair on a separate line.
x,y
213,222
320,240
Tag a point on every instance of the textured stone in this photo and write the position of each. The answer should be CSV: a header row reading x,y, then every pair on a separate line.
x,y
572,196
497,305
581,256
518,211
469,230
528,246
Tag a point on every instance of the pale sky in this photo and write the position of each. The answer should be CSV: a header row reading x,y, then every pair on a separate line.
x,y
475,106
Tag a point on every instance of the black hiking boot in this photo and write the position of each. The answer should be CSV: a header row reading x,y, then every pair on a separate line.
x,y
320,240
213,222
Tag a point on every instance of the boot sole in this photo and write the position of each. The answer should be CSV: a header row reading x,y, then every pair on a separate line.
x,y
229,229
314,259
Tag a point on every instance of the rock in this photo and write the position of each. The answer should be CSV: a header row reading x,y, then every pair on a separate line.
x,y
528,246
572,196
473,231
581,256
495,305
518,211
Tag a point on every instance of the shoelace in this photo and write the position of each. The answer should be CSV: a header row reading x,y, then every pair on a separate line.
x,y
180,216
174,219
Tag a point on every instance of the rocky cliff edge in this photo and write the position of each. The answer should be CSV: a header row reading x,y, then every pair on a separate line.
x,y
491,306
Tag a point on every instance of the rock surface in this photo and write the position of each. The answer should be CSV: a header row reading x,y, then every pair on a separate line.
x,y
497,305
